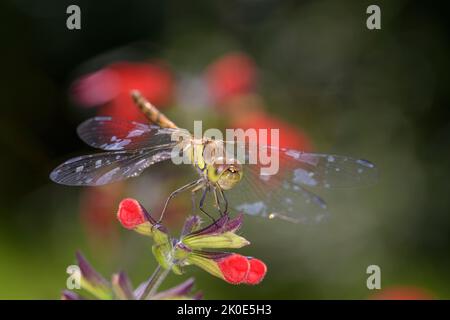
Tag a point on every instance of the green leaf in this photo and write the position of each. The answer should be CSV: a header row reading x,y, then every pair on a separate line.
x,y
121,286
100,292
215,241
206,264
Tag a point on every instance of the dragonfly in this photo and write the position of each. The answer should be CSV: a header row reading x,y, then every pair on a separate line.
x,y
131,147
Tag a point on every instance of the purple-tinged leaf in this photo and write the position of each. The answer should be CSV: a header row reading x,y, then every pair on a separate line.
x,y
181,290
122,286
92,281
198,296
234,224
89,273
223,224
212,255
192,224
70,295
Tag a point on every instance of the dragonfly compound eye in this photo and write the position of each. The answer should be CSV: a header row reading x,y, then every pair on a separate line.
x,y
230,176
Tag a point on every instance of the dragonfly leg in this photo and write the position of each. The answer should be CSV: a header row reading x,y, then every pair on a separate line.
x,y
220,201
216,201
202,202
198,187
225,201
174,193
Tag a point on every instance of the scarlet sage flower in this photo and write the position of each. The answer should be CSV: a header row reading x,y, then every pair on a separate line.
x,y
132,215
109,88
194,245
231,267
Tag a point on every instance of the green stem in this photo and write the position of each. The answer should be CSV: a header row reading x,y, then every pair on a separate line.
x,y
155,281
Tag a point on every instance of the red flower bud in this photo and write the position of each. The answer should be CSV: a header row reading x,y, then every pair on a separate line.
x,y
257,271
131,213
234,268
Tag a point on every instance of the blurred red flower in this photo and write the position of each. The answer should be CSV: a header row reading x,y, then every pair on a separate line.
x,y
290,136
96,207
110,88
402,293
232,81
231,75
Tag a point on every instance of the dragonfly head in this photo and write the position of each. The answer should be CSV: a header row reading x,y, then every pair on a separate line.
x,y
225,173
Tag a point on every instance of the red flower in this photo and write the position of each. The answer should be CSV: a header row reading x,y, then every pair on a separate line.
x,y
257,271
234,268
110,87
96,88
237,269
130,213
231,75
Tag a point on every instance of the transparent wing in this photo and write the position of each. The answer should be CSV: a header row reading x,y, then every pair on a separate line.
x,y
326,170
108,167
280,192
311,169
275,196
112,134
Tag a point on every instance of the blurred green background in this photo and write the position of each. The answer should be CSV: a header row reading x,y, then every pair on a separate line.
x,y
380,95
